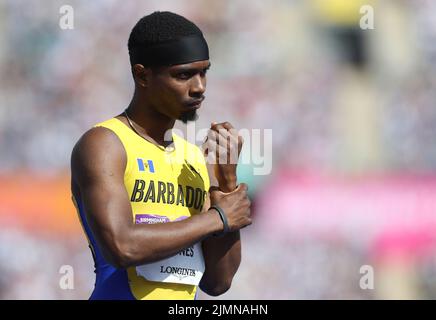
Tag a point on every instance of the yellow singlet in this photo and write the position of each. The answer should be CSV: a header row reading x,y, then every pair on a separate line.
x,y
163,184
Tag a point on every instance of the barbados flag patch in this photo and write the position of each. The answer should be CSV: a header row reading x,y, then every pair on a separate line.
x,y
145,165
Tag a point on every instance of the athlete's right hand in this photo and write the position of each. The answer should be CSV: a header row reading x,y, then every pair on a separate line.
x,y
235,204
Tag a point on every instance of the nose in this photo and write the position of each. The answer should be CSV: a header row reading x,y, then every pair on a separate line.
x,y
198,85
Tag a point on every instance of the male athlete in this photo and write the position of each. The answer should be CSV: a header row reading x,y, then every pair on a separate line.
x,y
156,228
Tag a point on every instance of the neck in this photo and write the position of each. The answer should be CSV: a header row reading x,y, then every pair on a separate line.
x,y
149,122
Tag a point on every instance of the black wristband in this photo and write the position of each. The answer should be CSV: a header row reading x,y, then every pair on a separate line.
x,y
223,218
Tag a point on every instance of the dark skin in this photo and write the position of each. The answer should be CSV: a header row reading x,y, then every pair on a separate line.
x,y
162,95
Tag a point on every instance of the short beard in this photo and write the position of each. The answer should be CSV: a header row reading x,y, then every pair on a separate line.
x,y
189,116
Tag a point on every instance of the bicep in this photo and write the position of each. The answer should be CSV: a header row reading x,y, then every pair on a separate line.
x,y
107,209
98,163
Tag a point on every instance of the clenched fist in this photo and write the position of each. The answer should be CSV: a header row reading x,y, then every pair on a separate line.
x,y
222,148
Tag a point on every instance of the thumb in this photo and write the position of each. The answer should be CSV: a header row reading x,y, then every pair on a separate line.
x,y
242,186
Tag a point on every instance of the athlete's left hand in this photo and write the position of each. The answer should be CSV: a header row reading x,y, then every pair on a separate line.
x,y
223,147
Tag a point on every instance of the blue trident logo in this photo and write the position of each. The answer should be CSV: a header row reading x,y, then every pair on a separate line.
x,y
143,164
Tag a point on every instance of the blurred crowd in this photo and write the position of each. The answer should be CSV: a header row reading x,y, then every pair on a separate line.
x,y
274,65
340,100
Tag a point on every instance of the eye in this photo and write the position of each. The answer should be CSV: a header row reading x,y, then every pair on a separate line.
x,y
203,73
184,75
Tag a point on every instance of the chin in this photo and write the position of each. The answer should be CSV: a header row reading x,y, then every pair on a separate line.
x,y
188,116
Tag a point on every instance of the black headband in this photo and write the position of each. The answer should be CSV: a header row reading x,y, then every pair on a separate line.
x,y
184,50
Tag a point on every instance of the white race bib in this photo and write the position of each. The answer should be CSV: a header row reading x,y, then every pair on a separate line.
x,y
185,267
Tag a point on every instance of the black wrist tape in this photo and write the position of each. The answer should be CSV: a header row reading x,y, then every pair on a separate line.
x,y
223,218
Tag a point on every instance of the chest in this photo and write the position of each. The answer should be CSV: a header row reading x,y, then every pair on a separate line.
x,y
164,186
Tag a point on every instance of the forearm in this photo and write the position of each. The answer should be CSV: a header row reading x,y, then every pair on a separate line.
x,y
145,243
222,258
167,239
223,253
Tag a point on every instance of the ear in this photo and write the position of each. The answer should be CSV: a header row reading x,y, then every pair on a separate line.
x,y
141,75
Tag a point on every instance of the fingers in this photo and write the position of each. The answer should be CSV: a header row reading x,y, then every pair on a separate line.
x,y
226,125
243,199
223,136
247,202
226,130
219,149
228,133
242,186
248,219
249,222
240,141
214,148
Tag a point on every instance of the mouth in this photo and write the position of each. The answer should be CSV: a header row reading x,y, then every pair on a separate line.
x,y
195,104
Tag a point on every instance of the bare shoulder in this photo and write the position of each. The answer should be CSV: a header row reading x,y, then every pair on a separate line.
x,y
97,153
